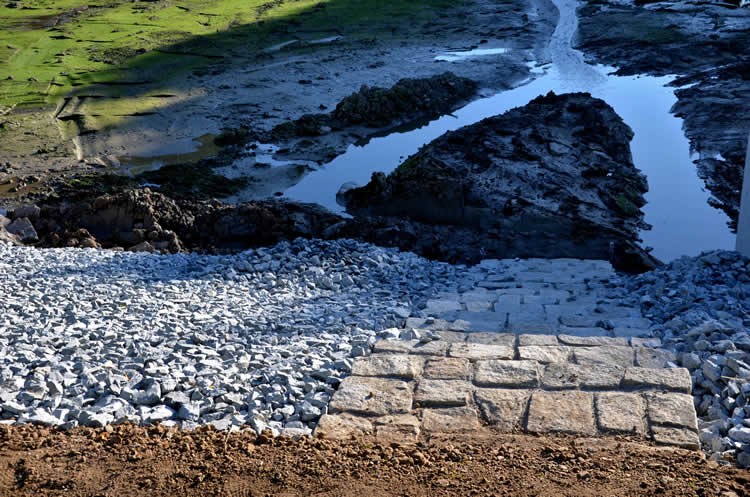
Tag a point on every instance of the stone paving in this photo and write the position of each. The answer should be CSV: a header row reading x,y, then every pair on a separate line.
x,y
549,296
467,382
526,346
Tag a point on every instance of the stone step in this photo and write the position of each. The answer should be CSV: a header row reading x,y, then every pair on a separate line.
x,y
534,296
531,383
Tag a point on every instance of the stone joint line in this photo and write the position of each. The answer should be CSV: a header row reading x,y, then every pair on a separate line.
x,y
510,383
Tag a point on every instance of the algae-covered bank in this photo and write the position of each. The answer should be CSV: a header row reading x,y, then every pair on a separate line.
x,y
129,86
112,84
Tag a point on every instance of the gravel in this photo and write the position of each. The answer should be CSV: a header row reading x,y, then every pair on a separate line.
x,y
258,339
701,306
262,338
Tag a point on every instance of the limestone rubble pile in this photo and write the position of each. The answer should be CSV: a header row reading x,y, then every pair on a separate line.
x,y
260,338
701,305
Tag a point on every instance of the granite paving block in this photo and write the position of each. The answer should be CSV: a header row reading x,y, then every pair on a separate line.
x,y
653,358
677,379
478,306
437,347
612,311
482,321
562,376
585,332
504,409
516,374
579,320
443,393
621,412
388,365
401,429
532,327
342,426
564,412
509,300
450,420
437,324
440,306
569,309
526,340
477,294
630,322
542,299
448,368
680,437
527,313
372,396
502,309
591,341
604,355
544,353
453,336
486,338
477,351
672,409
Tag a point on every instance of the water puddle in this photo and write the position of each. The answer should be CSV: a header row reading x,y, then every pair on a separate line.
x,y
683,222
321,41
461,55
279,46
182,152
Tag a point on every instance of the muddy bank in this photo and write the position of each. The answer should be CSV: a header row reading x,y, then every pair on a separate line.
x,y
255,75
365,112
706,46
554,178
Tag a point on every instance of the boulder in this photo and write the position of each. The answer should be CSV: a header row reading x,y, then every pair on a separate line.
x,y
29,211
8,237
23,228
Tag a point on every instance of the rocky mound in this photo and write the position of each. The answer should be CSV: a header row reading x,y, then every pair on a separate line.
x,y
375,107
378,107
142,220
554,178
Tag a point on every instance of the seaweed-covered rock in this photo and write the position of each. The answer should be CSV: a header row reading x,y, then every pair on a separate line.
x,y
554,178
375,107
134,218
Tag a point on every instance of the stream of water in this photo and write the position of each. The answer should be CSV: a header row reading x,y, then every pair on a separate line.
x,y
683,222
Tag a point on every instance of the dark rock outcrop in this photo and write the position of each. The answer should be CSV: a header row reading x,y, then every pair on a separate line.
x,y
554,178
375,107
146,220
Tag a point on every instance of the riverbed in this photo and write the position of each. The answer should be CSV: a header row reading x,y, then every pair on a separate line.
x,y
683,222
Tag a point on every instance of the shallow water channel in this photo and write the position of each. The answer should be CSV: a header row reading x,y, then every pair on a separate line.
x,y
683,222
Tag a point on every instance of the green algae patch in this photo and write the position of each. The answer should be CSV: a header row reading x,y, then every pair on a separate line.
x,y
184,181
48,48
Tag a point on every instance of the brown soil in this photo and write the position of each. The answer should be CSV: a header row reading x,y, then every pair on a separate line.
x,y
127,460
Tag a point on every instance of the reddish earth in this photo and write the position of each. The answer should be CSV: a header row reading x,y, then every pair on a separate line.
x,y
127,460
